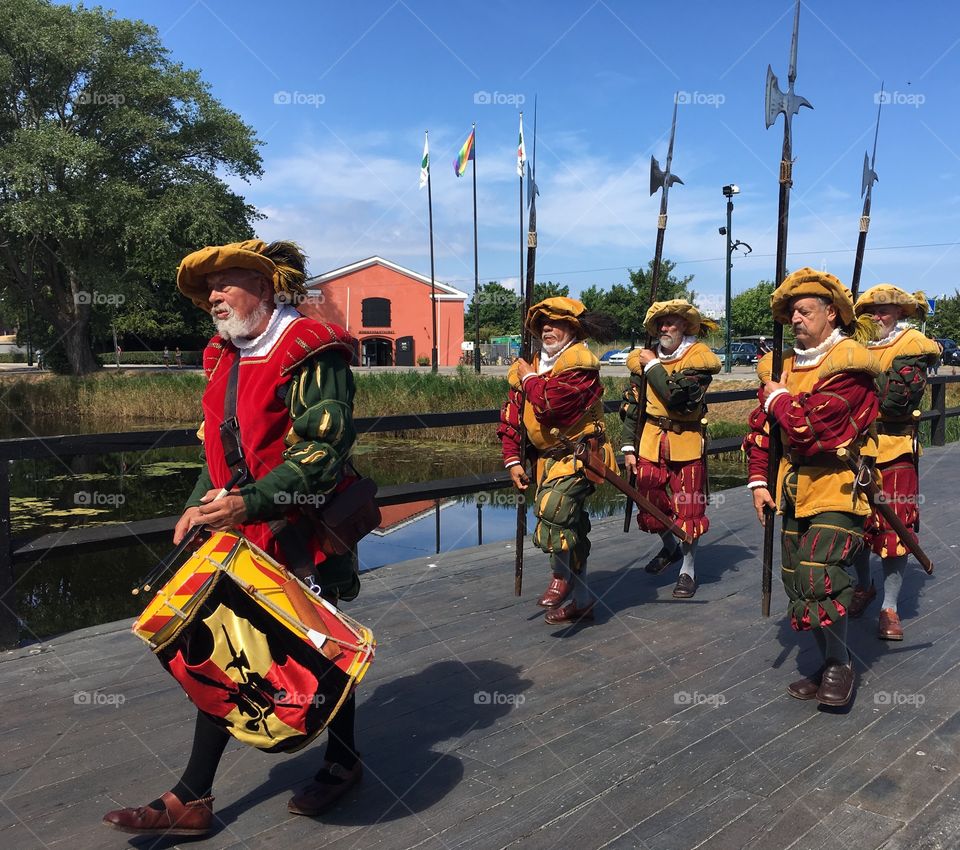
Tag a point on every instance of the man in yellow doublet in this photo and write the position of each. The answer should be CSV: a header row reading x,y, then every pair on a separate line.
x,y
670,461
560,390
825,400
905,355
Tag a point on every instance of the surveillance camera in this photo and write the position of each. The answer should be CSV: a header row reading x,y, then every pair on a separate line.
x,y
723,231
731,190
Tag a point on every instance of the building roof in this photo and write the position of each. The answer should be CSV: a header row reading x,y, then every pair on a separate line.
x,y
445,292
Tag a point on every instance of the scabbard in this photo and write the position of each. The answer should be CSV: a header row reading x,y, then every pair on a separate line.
x,y
581,451
882,507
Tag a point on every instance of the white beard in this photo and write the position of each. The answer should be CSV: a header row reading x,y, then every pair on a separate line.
x,y
233,326
551,350
670,342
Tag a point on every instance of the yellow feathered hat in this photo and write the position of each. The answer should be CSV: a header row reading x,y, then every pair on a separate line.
x,y
808,282
912,305
697,324
282,263
558,308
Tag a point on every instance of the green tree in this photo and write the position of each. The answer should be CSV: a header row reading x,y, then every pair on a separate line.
x,y
750,311
500,308
499,311
628,304
669,285
110,156
945,321
549,290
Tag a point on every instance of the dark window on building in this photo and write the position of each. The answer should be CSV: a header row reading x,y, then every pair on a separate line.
x,y
375,312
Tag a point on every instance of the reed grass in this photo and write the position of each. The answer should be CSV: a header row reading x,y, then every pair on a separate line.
x,y
115,401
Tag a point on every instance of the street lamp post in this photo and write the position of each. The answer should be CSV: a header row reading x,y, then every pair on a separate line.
x,y
728,193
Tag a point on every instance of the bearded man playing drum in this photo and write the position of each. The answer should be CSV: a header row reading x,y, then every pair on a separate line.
x,y
288,379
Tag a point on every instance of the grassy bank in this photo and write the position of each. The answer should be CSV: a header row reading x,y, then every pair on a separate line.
x,y
118,401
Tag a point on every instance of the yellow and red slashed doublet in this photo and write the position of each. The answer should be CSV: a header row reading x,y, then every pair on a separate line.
x,y
904,361
671,471
567,398
829,404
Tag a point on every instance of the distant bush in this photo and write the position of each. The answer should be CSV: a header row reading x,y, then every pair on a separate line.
x,y
150,358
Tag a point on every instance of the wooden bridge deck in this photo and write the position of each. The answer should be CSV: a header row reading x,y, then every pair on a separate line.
x,y
663,725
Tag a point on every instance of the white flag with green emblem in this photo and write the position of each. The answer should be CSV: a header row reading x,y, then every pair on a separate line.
x,y
521,151
425,162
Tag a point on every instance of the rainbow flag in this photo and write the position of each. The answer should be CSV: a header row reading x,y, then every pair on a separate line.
x,y
465,155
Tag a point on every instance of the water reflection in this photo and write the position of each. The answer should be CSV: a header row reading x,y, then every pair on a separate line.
x,y
64,593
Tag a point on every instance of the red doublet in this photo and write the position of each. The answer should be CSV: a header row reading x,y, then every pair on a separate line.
x,y
559,401
261,409
834,414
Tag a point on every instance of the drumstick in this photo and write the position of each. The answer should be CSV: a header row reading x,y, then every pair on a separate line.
x,y
184,544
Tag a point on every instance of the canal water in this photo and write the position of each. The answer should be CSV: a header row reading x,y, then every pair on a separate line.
x,y
64,593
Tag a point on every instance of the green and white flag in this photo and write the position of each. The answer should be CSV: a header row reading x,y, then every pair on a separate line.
x,y
521,151
425,162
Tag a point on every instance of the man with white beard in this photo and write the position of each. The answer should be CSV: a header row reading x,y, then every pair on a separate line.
x,y
560,390
905,355
292,403
670,457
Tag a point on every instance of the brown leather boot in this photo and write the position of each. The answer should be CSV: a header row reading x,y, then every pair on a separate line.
x,y
890,628
861,599
558,590
176,819
569,614
685,587
318,796
663,559
806,688
836,688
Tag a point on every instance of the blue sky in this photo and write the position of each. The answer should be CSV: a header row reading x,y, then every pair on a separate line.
x,y
364,80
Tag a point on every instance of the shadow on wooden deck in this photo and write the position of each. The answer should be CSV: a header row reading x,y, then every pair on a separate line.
x,y
663,725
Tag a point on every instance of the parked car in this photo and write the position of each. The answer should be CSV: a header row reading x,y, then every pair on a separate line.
x,y
619,358
951,352
605,357
741,354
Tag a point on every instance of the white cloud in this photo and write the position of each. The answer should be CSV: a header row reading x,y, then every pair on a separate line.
x,y
594,213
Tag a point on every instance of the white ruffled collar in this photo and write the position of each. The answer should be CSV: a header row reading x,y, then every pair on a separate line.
x,y
261,345
680,350
546,362
812,356
898,329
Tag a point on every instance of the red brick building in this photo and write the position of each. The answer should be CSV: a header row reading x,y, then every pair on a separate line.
x,y
387,308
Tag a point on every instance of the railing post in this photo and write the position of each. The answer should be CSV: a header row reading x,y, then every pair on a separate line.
x,y
938,403
9,626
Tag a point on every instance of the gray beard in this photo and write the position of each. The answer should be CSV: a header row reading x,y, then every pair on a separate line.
x,y
233,326
670,343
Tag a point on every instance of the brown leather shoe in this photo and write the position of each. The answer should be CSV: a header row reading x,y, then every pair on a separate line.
x,y
662,560
685,588
569,614
558,590
318,796
176,819
806,688
836,688
861,599
890,628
